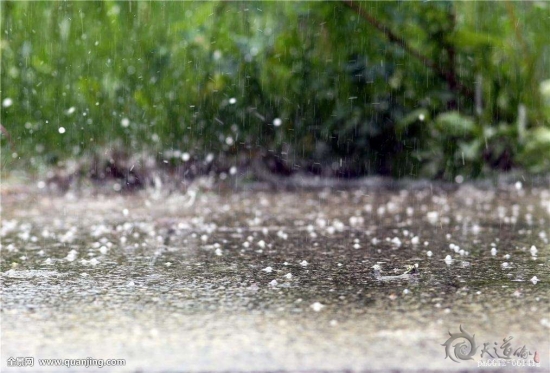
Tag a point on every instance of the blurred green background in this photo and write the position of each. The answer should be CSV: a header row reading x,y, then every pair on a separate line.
x,y
415,89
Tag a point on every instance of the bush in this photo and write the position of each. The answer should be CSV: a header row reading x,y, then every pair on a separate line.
x,y
402,89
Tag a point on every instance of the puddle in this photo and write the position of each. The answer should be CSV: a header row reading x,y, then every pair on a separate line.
x,y
257,280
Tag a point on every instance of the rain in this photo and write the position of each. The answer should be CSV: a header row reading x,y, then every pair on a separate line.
x,y
275,186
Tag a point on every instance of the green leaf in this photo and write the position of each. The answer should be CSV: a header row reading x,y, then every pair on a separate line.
x,y
467,38
454,124
414,116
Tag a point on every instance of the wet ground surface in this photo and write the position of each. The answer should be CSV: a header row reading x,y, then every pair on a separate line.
x,y
261,281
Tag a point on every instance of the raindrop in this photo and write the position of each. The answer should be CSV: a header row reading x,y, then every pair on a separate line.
x,y
7,102
317,306
433,217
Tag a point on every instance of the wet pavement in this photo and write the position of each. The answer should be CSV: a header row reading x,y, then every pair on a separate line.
x,y
264,281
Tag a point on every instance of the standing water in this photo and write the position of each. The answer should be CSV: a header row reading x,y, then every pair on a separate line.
x,y
258,280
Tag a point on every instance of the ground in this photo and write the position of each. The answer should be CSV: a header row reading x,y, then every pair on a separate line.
x,y
260,281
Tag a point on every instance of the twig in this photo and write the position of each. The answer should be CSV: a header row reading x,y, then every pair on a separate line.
x,y
515,22
447,75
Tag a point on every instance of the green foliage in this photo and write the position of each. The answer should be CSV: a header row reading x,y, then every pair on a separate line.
x,y
208,77
535,156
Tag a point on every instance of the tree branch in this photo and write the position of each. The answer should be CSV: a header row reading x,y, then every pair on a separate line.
x,y
448,75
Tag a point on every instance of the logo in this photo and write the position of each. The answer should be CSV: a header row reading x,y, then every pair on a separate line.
x,y
20,361
464,350
462,347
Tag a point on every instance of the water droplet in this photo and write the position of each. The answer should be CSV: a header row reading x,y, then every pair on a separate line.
x,y
317,306
7,102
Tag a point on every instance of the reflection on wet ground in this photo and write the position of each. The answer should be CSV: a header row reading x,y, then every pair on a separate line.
x,y
268,281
